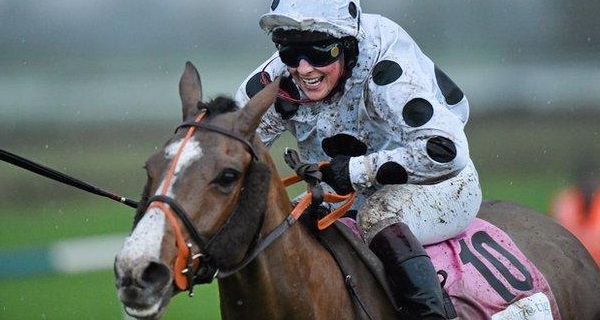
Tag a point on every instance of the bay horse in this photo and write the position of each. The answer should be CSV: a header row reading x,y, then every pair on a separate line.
x,y
214,207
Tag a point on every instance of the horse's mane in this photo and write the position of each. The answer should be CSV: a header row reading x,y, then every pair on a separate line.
x,y
219,105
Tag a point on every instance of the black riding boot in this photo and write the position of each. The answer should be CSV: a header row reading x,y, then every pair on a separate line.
x,y
410,272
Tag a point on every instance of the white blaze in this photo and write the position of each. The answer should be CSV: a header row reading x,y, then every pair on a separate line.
x,y
146,238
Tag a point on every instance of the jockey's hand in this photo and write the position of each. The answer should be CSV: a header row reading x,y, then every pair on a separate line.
x,y
337,175
309,172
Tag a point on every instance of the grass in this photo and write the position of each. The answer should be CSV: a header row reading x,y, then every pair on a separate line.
x,y
40,224
89,296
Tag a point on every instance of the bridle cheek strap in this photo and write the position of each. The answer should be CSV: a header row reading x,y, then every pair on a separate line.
x,y
183,251
181,270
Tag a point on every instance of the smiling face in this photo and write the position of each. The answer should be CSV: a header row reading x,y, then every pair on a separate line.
x,y
317,82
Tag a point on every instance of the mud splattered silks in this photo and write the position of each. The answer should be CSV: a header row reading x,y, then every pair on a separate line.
x,y
401,119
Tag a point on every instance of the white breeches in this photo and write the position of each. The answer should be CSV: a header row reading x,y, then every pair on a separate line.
x,y
433,212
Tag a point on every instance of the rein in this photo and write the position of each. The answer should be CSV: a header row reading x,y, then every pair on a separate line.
x,y
308,198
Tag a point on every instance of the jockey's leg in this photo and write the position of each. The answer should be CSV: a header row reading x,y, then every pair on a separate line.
x,y
397,220
410,272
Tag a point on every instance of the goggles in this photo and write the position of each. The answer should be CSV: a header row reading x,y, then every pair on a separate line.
x,y
316,55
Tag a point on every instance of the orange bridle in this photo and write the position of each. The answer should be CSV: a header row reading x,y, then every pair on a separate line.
x,y
187,266
184,254
326,221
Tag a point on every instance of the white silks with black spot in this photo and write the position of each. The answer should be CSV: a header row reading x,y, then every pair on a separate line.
x,y
400,118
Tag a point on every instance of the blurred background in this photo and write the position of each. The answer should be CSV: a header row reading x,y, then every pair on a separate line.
x,y
89,88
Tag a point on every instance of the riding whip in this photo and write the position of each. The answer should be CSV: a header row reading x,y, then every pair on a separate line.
x,y
61,177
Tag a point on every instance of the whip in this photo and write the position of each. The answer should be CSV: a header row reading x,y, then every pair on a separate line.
x,y
61,177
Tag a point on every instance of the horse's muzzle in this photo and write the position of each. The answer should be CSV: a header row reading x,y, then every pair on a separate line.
x,y
144,287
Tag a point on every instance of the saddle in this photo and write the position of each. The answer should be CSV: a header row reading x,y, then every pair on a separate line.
x,y
485,276
350,252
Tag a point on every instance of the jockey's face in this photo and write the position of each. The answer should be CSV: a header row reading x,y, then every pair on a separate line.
x,y
317,82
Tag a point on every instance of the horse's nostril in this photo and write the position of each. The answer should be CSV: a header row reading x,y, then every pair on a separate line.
x,y
156,273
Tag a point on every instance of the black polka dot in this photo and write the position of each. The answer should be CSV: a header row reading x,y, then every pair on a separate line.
x,y
254,85
450,90
391,173
343,144
274,4
417,112
386,72
352,9
441,149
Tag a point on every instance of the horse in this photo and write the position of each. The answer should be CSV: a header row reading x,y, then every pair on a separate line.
x,y
215,207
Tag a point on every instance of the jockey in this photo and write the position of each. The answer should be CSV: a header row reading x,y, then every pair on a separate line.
x,y
357,91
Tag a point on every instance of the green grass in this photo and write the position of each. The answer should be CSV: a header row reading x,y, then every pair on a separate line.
x,y
90,295
24,226
535,191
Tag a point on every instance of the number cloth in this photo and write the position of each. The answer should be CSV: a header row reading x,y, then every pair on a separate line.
x,y
488,277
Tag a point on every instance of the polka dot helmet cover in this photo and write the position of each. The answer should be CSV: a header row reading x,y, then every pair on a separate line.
x,y
338,18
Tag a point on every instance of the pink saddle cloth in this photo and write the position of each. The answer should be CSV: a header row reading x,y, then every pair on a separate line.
x,y
488,277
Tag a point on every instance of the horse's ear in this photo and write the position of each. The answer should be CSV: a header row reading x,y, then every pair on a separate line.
x,y
190,90
257,106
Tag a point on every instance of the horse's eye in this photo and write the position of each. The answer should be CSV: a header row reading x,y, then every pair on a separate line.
x,y
227,177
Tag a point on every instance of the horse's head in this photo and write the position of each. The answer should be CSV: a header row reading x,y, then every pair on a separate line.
x,y
203,204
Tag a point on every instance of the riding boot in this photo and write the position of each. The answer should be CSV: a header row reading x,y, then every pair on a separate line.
x,y
410,273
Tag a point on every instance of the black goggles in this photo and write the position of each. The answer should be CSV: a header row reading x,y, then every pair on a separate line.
x,y
316,55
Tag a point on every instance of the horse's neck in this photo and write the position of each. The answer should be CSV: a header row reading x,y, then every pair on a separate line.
x,y
279,277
